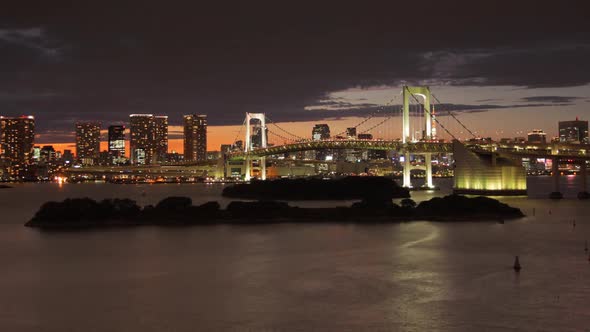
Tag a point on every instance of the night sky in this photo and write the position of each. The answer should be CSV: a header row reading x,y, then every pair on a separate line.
x,y
507,67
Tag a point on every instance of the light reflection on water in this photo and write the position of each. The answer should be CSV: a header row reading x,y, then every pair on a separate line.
x,y
415,276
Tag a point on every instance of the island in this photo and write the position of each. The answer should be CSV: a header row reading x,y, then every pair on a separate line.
x,y
87,213
347,188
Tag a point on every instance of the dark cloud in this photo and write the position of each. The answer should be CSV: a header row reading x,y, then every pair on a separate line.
x,y
551,99
103,61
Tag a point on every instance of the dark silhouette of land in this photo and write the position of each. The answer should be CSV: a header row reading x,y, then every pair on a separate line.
x,y
352,187
86,213
3,186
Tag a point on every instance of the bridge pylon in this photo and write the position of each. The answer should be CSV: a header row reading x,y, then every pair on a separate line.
x,y
424,92
248,145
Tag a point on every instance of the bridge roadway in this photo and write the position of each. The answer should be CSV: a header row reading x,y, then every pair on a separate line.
x,y
576,152
395,145
524,150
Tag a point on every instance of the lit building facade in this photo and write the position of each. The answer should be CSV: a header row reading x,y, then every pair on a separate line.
x,y
87,142
319,132
537,136
573,131
149,138
195,137
486,174
116,137
160,138
17,136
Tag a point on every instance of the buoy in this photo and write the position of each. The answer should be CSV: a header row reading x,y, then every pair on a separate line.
x,y
516,266
574,224
549,211
586,246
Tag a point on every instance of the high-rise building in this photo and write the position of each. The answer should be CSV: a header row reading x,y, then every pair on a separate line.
x,y
319,132
195,137
87,142
351,132
142,138
160,138
573,131
149,138
67,157
48,155
116,141
17,135
256,138
537,136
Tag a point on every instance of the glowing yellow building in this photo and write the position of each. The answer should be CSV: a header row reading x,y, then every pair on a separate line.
x,y
486,174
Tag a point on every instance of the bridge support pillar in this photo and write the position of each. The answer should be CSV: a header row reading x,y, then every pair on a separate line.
x,y
263,168
556,194
407,180
584,194
428,164
247,175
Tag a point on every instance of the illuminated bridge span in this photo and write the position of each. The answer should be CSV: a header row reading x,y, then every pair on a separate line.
x,y
416,147
480,166
535,150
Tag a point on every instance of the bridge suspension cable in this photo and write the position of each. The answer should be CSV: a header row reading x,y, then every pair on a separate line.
x,y
454,117
372,115
269,121
285,139
379,123
239,131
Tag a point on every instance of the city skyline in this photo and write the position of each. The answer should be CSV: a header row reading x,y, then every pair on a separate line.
x,y
218,135
338,63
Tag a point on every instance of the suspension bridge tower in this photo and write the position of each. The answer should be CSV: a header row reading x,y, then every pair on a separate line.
x,y
412,92
248,146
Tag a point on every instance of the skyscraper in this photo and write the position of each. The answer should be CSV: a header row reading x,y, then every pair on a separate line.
x,y
160,138
17,135
149,138
87,142
319,132
195,137
117,141
142,138
573,131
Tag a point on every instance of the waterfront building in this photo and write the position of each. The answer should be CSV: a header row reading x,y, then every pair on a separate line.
x,y
319,132
573,131
67,157
351,133
87,142
116,139
48,155
195,137
17,135
537,136
160,138
36,154
149,138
